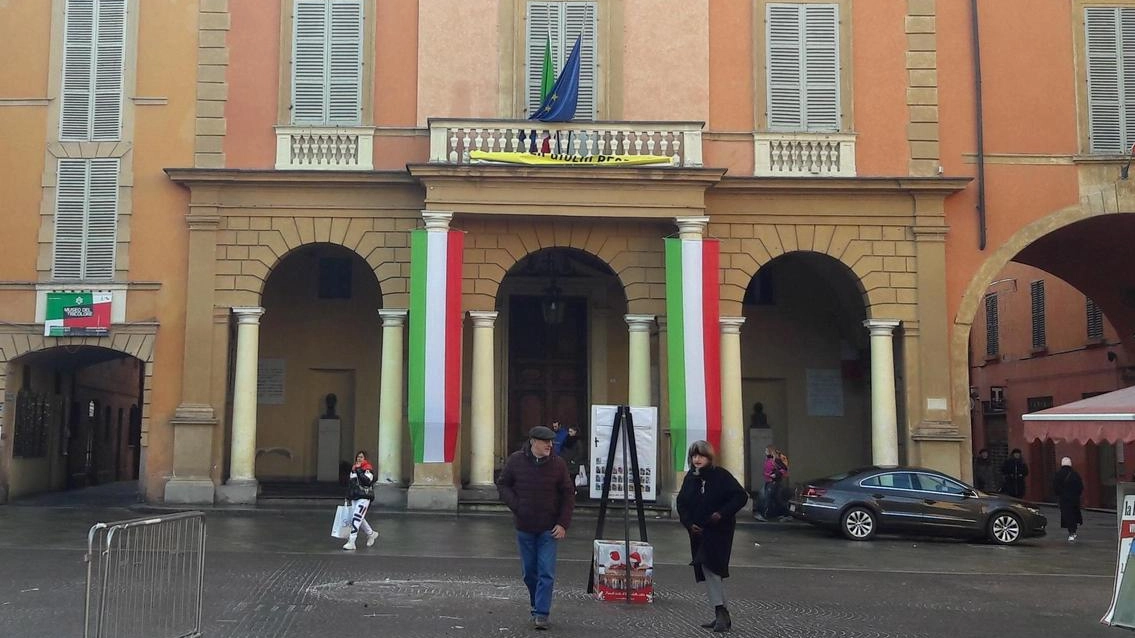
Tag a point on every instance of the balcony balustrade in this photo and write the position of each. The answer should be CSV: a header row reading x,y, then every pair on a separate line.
x,y
328,148
452,140
804,154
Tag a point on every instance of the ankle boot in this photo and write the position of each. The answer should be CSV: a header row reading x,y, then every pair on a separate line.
x,y
722,622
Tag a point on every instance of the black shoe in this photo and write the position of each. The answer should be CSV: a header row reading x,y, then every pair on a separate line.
x,y
709,625
722,622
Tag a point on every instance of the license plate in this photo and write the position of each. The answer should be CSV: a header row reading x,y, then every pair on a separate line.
x,y
791,508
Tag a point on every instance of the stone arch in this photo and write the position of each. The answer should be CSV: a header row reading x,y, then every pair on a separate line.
x,y
636,257
249,248
880,258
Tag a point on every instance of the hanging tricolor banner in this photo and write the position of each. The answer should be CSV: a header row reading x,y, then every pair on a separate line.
x,y
435,343
693,340
76,314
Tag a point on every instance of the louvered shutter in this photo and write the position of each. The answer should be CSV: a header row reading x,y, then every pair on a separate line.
x,y
1036,294
1095,319
580,19
309,62
1111,78
86,219
802,48
93,51
992,326
345,75
542,27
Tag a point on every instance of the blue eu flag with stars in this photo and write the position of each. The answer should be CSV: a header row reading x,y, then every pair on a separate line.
x,y
559,104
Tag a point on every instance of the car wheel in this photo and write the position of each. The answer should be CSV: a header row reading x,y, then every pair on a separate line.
x,y
858,524
1004,528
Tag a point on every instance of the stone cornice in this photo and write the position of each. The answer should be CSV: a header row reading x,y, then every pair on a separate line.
x,y
193,177
704,177
943,186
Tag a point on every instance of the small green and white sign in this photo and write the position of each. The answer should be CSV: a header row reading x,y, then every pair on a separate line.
x,y
76,314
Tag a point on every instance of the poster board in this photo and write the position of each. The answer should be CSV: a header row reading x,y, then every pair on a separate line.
x,y
646,441
1121,612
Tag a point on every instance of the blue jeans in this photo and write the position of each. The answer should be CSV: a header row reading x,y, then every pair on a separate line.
x,y
538,560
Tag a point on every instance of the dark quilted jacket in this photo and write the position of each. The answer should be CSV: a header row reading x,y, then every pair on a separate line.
x,y
540,495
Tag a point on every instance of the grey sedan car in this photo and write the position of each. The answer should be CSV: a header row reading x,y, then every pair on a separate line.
x,y
906,500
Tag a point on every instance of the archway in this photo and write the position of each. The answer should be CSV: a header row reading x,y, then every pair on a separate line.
x,y
76,420
320,335
805,360
560,309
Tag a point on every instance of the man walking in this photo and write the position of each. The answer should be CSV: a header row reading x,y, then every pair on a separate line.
x,y
536,486
1068,487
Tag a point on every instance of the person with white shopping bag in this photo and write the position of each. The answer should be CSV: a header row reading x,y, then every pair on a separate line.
x,y
574,454
360,492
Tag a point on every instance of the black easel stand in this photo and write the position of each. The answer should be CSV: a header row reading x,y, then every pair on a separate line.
x,y
623,423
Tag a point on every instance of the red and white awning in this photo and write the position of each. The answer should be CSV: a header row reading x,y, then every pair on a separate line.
x,y
1108,417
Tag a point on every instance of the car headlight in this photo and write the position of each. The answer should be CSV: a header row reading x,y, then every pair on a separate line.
x,y
1032,510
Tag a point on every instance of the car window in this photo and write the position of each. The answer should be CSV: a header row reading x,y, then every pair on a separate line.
x,y
895,480
933,483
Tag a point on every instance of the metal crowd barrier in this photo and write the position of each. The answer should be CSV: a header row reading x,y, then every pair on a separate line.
x,y
145,577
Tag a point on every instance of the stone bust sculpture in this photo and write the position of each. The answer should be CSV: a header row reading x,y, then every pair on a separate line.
x,y
331,400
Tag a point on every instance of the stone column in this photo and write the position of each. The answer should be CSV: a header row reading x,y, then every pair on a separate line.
x,y
483,419
390,402
435,484
241,486
884,419
638,380
732,452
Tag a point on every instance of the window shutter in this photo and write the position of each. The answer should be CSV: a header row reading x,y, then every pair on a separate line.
x,y
345,76
110,50
1095,320
992,327
802,47
309,62
94,45
86,219
543,25
1036,294
782,38
1111,78
821,67
580,19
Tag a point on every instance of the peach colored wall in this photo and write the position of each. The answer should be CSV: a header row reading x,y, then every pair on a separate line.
x,y
730,66
25,35
254,84
665,60
458,59
395,67
878,68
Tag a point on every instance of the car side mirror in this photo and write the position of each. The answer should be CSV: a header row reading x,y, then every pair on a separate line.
x,y
971,493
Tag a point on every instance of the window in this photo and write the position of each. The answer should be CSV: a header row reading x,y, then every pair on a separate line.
x,y
94,44
1095,320
1110,35
1036,294
932,483
1036,404
86,219
992,329
899,481
327,45
334,278
802,49
557,25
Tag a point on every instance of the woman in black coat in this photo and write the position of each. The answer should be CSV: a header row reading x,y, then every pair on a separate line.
x,y
707,506
1068,487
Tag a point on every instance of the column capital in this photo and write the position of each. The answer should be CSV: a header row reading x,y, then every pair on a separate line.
x,y
691,227
483,318
881,327
393,317
639,323
436,220
248,314
731,325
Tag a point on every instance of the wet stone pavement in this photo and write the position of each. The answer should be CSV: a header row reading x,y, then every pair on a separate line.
x,y
278,573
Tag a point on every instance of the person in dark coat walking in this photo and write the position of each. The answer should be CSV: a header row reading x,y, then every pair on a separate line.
x,y
536,486
983,478
574,454
1068,487
708,503
1015,470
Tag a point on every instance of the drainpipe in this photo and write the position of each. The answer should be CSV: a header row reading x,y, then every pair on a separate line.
x,y
976,45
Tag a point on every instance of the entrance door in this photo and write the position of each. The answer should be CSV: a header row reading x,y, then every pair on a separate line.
x,y
547,366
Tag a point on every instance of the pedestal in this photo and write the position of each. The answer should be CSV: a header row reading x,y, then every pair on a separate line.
x,y
434,488
237,491
327,457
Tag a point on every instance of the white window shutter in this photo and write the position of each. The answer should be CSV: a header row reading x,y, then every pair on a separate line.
x,y
580,19
309,62
821,68
1127,46
1105,79
542,27
86,219
345,74
78,58
110,50
93,51
785,81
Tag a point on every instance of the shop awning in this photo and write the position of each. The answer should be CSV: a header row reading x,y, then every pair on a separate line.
x,y
1108,417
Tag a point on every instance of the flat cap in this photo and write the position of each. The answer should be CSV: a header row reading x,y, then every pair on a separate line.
x,y
542,433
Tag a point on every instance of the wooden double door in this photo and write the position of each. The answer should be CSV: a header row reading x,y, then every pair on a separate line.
x,y
547,366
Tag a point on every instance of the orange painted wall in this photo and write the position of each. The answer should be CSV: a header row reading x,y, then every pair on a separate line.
x,y
731,66
396,59
458,59
254,84
665,58
879,87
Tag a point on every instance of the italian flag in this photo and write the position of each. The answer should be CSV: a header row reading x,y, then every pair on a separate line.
x,y
693,340
435,343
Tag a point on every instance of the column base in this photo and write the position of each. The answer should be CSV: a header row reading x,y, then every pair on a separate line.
x,y
432,497
200,491
480,493
389,495
242,492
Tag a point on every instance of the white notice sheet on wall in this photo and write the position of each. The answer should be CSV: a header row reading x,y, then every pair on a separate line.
x,y
825,392
270,382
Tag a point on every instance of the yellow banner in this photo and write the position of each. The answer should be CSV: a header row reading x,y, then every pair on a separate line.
x,y
547,159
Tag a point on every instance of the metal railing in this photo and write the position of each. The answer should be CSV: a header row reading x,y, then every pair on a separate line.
x,y
145,577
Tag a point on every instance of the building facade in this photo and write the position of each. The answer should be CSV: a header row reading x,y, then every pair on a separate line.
x,y
285,149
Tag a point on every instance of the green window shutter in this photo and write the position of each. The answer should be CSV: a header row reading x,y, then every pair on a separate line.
x,y
86,219
94,44
802,54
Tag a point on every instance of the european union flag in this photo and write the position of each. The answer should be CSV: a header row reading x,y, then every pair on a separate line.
x,y
559,104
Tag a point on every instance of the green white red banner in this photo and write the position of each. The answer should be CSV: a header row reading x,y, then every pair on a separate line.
x,y
74,314
435,343
693,341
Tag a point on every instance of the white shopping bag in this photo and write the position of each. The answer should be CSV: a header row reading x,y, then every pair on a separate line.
x,y
581,478
341,527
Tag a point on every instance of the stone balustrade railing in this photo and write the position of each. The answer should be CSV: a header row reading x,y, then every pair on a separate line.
x,y
452,140
804,154
330,148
